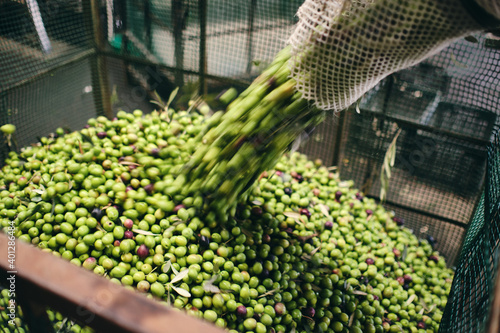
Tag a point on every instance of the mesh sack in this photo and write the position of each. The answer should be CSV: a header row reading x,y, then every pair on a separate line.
x,y
343,48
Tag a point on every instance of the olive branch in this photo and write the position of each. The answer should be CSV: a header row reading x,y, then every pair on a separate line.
x,y
385,172
178,276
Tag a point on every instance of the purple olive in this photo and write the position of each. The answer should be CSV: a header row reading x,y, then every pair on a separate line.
x,y
369,212
97,213
241,311
407,278
266,238
204,241
155,152
300,178
143,252
370,261
102,135
434,258
309,312
421,325
328,225
399,221
257,211
338,195
128,234
305,211
176,208
363,279
288,190
431,240
149,188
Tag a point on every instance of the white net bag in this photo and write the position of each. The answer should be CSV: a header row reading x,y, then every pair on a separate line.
x,y
343,48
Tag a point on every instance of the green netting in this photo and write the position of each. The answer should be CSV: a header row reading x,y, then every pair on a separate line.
x,y
469,302
446,107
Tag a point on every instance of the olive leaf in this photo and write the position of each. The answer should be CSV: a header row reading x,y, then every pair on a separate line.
x,y
216,264
114,96
167,266
325,210
171,97
180,291
315,250
405,252
179,276
144,232
358,110
316,288
158,101
24,200
293,215
39,190
410,299
128,163
174,270
385,172
196,103
305,257
86,138
168,296
270,292
424,305
63,323
351,319
209,286
359,292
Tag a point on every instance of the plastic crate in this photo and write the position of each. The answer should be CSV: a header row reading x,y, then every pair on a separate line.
x,y
460,119
451,163
410,94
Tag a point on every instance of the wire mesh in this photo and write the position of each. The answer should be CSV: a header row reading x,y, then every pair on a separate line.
x,y
320,143
446,107
23,55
